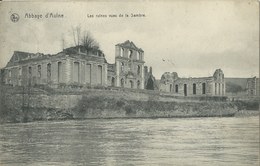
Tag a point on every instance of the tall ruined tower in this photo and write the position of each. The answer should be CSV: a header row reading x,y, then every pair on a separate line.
x,y
129,65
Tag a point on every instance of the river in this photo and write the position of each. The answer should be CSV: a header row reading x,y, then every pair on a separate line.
x,y
176,141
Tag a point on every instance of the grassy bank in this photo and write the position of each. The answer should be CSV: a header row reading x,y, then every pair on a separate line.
x,y
17,106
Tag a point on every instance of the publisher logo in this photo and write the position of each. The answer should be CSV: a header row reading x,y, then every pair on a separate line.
x,y
14,17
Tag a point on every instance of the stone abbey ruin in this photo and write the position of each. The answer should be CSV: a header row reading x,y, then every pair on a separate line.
x,y
88,68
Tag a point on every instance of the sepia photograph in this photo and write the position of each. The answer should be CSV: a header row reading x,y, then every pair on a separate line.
x,y
129,83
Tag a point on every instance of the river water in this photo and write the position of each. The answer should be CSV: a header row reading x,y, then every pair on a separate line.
x,y
187,141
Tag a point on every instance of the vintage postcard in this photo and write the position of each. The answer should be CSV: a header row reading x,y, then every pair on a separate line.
x,y
129,83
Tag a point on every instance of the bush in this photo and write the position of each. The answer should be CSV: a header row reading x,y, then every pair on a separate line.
x,y
247,105
120,103
129,110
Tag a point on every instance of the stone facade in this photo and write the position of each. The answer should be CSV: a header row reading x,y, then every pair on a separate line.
x,y
203,86
252,86
78,66
66,67
128,70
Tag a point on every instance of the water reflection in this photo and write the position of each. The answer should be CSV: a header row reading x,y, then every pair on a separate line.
x,y
193,141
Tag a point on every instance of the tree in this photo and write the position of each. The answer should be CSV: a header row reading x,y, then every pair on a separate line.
x,y
86,40
150,83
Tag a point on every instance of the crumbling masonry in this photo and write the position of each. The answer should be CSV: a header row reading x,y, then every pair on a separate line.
x,y
78,66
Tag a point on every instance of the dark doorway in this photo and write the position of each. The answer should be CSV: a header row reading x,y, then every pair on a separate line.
x,y
185,89
176,88
76,72
59,72
113,81
99,75
203,88
138,84
194,89
48,73
122,82
131,84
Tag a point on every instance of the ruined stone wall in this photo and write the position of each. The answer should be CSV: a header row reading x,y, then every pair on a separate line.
x,y
129,66
62,72
194,86
202,86
253,86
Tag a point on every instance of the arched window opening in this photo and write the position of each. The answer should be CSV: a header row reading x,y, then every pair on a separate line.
x,y
122,82
185,90
88,73
131,84
121,52
138,70
39,70
20,71
99,75
216,85
122,66
223,89
138,55
76,72
170,87
130,54
9,73
48,72
138,84
113,81
176,88
29,71
59,72
219,89
30,75
203,88
194,89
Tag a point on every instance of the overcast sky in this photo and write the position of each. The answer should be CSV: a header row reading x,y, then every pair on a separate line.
x,y
192,38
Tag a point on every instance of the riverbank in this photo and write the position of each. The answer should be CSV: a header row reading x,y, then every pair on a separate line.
x,y
247,113
18,105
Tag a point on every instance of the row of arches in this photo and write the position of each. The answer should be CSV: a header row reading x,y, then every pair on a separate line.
x,y
79,73
219,88
123,83
130,53
131,82
185,89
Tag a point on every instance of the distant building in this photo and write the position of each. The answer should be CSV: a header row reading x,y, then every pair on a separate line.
x,y
203,86
252,87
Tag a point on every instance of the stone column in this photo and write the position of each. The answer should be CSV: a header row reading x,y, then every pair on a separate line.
x,y
117,73
213,88
105,74
142,76
54,72
224,89
66,71
217,89
220,89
